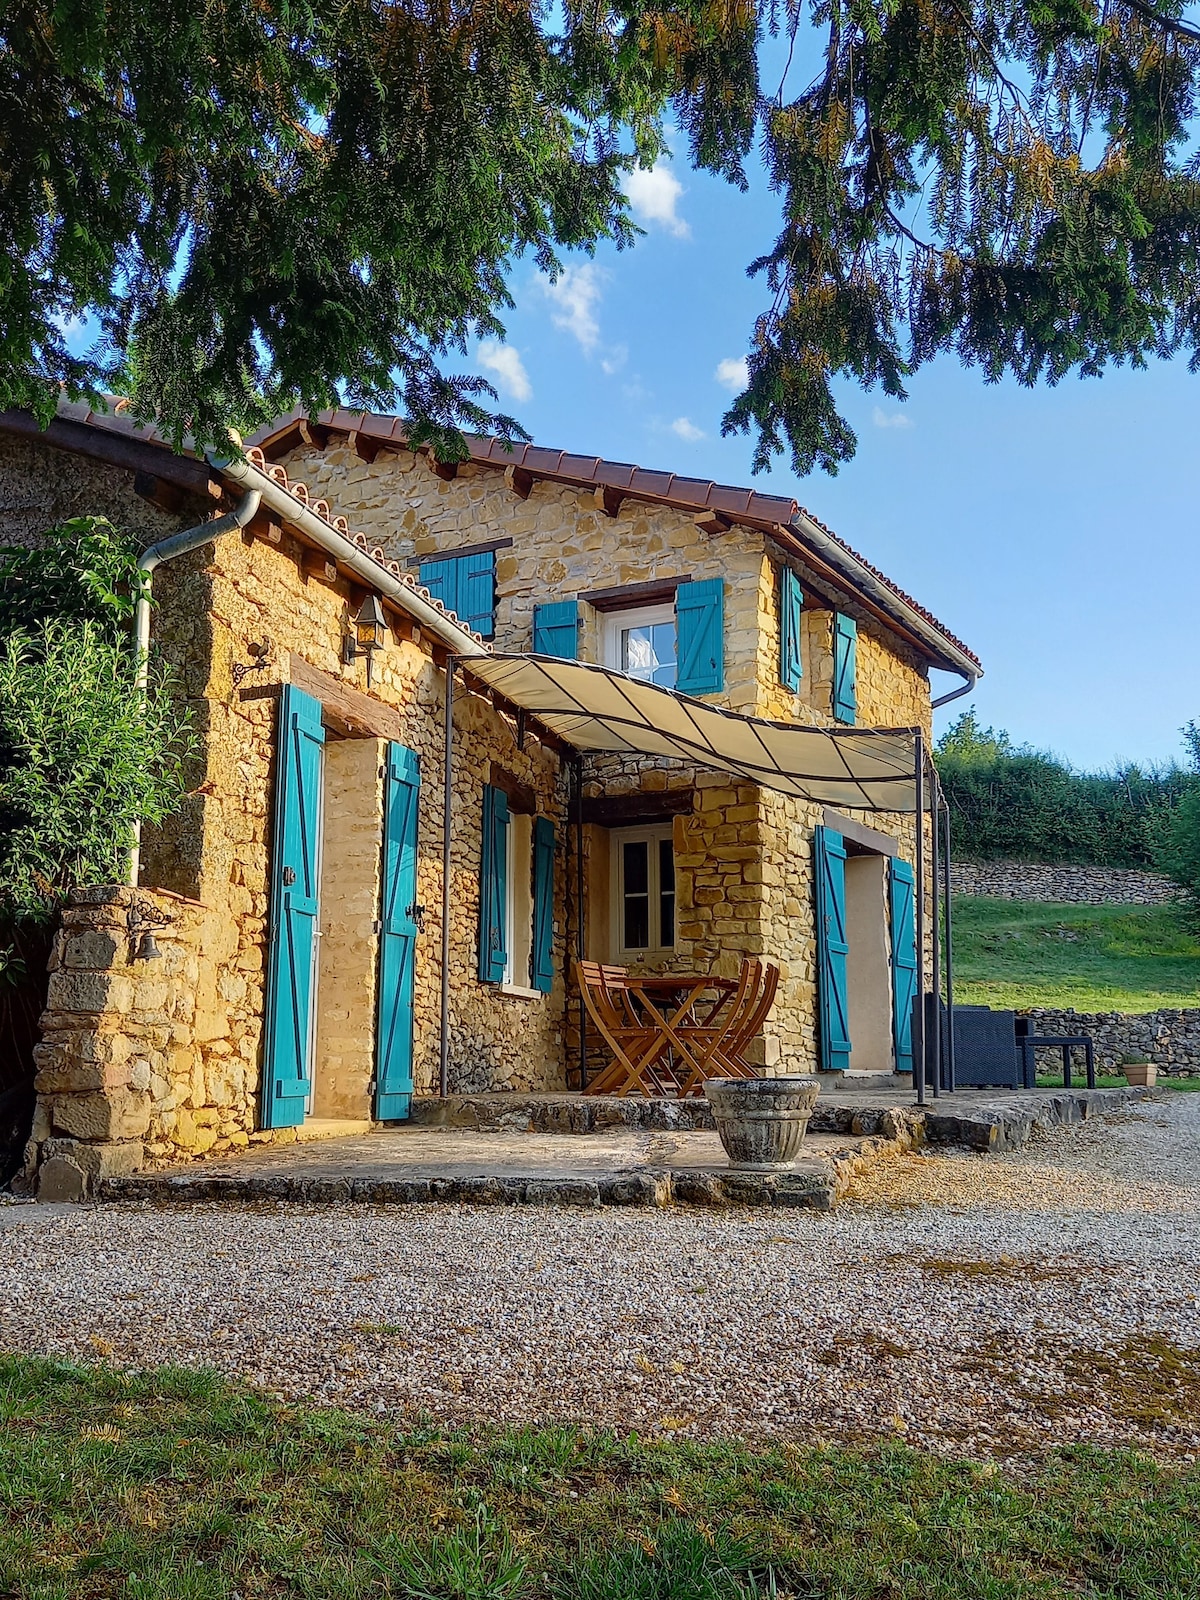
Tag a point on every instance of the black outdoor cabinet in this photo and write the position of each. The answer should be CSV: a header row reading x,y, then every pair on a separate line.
x,y
985,1046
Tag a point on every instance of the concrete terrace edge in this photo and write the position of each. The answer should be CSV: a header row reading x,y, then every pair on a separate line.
x,y
820,1188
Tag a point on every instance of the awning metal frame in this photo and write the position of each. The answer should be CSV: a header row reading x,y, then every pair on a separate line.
x,y
634,734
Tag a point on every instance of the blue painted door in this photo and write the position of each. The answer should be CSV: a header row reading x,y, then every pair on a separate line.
x,y
832,950
291,956
902,905
398,937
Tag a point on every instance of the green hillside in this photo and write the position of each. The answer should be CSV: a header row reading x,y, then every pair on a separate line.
x,y
1095,958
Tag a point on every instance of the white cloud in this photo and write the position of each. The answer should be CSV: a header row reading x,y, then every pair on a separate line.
x,y
687,429
897,419
733,373
615,359
653,195
574,296
506,366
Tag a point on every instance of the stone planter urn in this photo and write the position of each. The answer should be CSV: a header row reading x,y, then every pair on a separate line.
x,y
762,1121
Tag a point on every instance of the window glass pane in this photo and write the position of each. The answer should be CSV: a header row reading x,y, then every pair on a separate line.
x,y
635,910
648,652
637,922
666,893
637,867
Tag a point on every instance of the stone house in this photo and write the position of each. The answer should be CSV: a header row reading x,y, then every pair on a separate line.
x,y
276,970
739,598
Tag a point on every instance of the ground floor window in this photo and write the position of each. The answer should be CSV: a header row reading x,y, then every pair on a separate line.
x,y
644,889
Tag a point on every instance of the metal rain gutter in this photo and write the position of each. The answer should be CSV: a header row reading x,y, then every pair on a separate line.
x,y
888,600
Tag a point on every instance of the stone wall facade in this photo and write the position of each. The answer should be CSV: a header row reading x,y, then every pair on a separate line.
x,y
1087,886
162,1058
1169,1038
564,546
40,488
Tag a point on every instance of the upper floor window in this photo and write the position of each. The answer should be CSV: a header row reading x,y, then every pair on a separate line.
x,y
643,644
845,668
465,585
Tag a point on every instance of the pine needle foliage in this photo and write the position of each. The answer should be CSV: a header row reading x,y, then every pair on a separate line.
x,y
263,203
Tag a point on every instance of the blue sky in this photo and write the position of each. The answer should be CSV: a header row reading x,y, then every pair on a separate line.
x,y
1051,529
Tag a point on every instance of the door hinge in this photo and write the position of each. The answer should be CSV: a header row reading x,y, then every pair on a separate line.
x,y
377,926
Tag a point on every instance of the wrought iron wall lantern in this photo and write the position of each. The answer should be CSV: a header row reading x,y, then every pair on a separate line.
x,y
259,651
367,634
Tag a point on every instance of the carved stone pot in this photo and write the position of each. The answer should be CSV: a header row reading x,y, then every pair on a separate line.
x,y
762,1121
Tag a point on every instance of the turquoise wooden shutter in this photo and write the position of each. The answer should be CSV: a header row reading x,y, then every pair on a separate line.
x,y
902,902
541,974
441,579
832,950
295,858
556,629
700,636
791,602
845,654
477,592
397,937
493,886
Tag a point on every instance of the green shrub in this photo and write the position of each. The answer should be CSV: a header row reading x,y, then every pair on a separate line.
x,y
1179,852
82,757
1010,802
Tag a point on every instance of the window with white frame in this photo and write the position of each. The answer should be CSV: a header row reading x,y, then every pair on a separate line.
x,y
643,643
643,882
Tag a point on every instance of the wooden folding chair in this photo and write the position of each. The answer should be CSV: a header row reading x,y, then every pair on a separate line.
x,y
719,1044
636,1045
697,1045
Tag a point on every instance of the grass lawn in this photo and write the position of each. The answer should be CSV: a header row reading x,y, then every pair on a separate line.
x,y
1110,1081
177,1486
1015,953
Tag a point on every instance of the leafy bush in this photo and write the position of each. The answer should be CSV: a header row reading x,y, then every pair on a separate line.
x,y
1010,802
82,758
83,755
1179,854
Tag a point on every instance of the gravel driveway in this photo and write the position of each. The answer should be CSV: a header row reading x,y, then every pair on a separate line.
x,y
995,1305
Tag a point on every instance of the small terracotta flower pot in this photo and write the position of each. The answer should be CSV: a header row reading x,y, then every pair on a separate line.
x,y
762,1121
1140,1074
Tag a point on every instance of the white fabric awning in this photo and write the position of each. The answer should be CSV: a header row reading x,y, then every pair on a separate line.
x,y
598,709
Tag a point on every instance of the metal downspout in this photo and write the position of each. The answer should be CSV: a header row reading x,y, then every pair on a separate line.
x,y
178,544
956,694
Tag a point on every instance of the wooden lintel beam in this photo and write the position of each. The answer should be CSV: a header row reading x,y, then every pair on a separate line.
x,y
320,566
519,481
166,496
608,500
313,434
711,522
364,447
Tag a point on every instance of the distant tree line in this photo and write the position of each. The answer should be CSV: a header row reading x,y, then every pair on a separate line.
x,y
1011,802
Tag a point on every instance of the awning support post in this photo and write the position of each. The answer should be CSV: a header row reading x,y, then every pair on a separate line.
x,y
918,1043
447,829
951,1079
935,855
580,931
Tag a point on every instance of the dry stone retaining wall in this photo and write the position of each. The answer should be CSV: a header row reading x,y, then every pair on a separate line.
x,y
1171,1039
1087,886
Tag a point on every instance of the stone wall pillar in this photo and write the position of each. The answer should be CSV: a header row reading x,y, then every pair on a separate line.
x,y
118,1017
